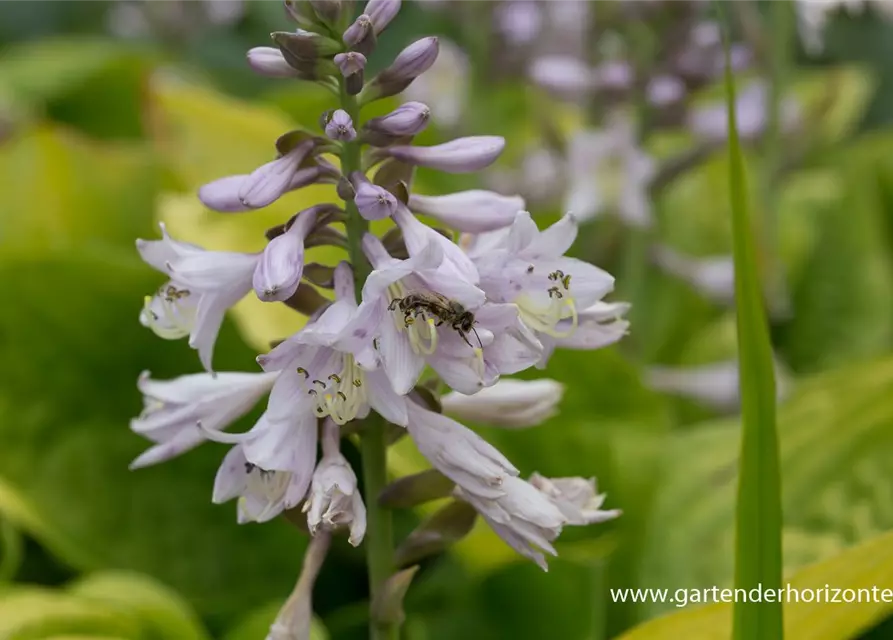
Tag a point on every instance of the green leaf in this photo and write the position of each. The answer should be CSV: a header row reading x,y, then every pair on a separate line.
x,y
65,445
835,444
758,519
863,568
160,611
834,100
31,613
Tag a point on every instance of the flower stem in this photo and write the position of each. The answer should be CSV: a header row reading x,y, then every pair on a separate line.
x,y
373,442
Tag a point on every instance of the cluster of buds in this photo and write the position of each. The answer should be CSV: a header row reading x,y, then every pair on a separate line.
x,y
489,295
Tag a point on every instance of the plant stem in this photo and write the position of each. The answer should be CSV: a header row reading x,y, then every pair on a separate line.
x,y
373,443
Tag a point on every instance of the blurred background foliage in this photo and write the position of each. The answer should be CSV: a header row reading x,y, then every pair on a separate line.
x,y
113,113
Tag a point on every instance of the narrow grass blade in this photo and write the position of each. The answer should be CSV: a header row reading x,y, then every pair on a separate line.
x,y
758,517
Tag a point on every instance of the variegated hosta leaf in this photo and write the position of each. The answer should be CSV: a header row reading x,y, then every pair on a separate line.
x,y
836,439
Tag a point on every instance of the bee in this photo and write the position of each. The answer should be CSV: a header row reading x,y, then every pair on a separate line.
x,y
439,307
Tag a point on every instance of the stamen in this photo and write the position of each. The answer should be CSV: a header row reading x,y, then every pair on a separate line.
x,y
304,371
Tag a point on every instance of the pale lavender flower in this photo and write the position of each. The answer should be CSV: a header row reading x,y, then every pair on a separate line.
x,y
499,343
459,453
526,267
577,499
408,119
473,211
357,31
711,122
373,202
714,277
463,155
223,194
203,285
413,61
330,368
268,182
173,408
269,61
381,12
598,325
613,75
564,75
519,21
445,84
511,404
334,499
608,170
522,516
278,272
350,63
340,126
665,90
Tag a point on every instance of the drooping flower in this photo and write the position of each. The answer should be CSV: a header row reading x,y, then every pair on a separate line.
x,y
577,499
203,285
174,408
512,404
524,266
334,499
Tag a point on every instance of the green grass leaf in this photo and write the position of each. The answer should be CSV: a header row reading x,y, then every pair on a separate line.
x,y
758,520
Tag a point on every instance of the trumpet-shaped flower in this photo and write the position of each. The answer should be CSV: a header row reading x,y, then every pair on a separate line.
x,y
203,285
174,408
512,404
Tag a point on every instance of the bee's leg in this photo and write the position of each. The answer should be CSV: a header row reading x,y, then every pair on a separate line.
x,y
394,303
439,322
465,337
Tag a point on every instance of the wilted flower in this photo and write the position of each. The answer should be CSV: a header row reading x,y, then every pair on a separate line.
x,y
509,403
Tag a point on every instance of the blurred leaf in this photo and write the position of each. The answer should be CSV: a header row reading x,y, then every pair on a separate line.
x,y
62,192
257,623
32,613
842,308
835,443
160,611
11,549
65,445
864,567
834,100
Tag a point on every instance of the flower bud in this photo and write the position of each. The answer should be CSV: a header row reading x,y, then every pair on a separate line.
x,y
279,269
463,155
270,62
302,13
340,126
409,64
305,45
436,534
328,10
268,182
373,202
512,404
381,12
474,211
360,36
350,63
406,120
223,194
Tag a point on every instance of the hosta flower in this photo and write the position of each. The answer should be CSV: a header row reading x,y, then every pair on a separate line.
x,y
508,403
473,211
278,272
334,499
459,453
418,308
608,171
522,516
714,276
330,369
174,408
526,267
340,126
263,493
576,498
462,155
598,325
203,285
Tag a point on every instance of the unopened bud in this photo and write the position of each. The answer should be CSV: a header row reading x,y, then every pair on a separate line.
x,y
381,12
279,269
409,64
305,45
302,13
406,120
373,202
268,182
328,10
345,189
463,155
270,62
387,606
474,211
360,36
340,126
